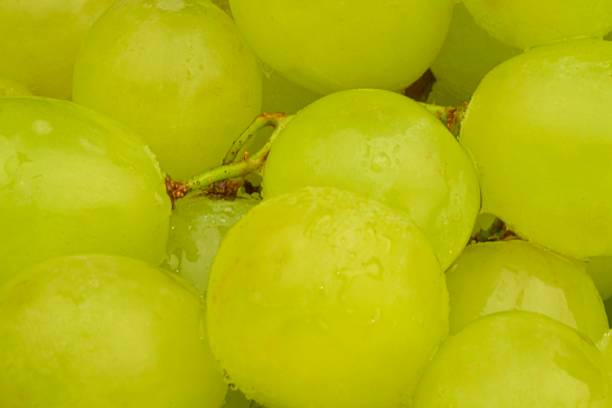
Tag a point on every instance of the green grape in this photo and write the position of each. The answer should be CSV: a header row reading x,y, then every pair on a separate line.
x,y
100,331
326,46
281,95
467,55
527,23
177,72
608,305
39,41
320,298
600,270
516,360
12,88
197,227
383,146
606,347
543,149
73,182
516,275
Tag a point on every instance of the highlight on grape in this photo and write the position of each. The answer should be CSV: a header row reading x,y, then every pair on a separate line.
x,y
305,204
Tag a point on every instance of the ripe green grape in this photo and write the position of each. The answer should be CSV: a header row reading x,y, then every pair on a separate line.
x,y
383,146
72,182
320,298
102,331
326,46
516,275
543,150
12,88
467,55
527,23
197,227
177,72
512,360
39,41
600,270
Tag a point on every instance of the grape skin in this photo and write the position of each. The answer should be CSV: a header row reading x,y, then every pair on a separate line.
x,y
600,270
515,359
543,150
39,41
516,275
382,146
12,88
326,46
181,76
101,331
318,277
73,182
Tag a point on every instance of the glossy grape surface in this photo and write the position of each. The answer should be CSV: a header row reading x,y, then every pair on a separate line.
x,y
39,41
71,181
516,359
175,71
543,150
197,227
383,146
516,275
327,46
526,23
316,293
101,331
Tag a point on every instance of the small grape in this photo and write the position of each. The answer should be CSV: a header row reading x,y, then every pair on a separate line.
x,y
178,73
327,46
197,227
526,23
384,146
543,150
320,298
102,331
516,359
516,275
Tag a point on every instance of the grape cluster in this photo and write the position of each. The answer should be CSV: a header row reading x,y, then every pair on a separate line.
x,y
305,204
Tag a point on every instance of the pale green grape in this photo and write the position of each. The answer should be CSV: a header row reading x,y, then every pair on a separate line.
x,y
600,270
467,55
197,227
516,360
100,331
526,23
72,182
543,149
516,275
176,71
605,346
320,298
327,46
382,146
39,41
12,88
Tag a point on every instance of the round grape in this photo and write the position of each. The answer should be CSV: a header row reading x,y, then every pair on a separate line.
x,y
516,359
319,298
516,275
543,149
74,182
327,46
177,72
383,146
102,331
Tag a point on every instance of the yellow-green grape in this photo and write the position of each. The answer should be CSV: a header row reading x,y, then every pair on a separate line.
x,y
600,270
516,360
387,147
326,46
39,41
516,275
74,182
282,95
467,55
526,23
177,72
320,298
197,227
605,345
608,305
543,149
12,88
101,331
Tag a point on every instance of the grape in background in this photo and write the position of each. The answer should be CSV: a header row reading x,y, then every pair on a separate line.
x,y
12,88
39,41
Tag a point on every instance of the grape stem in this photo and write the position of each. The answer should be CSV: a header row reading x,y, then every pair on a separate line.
x,y
227,178
450,116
